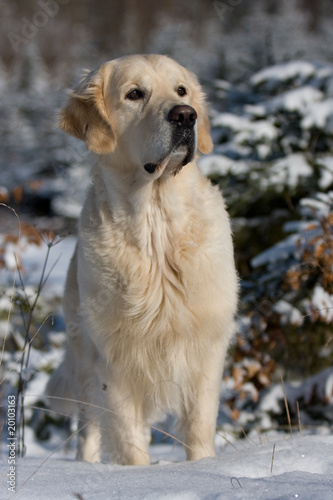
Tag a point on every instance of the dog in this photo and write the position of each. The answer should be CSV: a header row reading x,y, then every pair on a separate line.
x,y
151,292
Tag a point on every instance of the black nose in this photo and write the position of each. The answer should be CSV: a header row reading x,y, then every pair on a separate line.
x,y
183,115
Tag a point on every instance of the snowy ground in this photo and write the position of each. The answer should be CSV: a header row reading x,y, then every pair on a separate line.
x,y
302,467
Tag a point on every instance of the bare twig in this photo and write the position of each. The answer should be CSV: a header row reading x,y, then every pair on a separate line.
x,y
235,479
13,287
272,458
287,407
227,440
299,418
27,346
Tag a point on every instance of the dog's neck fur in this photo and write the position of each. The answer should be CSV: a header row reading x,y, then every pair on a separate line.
x,y
151,210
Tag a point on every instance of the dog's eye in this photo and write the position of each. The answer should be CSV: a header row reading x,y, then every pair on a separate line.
x,y
135,95
181,91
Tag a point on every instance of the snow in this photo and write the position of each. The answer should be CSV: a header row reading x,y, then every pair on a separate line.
x,y
299,467
246,130
319,115
323,303
326,172
290,170
288,313
221,165
281,250
33,258
321,205
274,75
296,100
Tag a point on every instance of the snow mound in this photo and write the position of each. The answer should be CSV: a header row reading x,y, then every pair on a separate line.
x,y
272,76
301,467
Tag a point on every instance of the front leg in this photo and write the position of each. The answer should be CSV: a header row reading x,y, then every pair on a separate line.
x,y
199,420
88,436
126,436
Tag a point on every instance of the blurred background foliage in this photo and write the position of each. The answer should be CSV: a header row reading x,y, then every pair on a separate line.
x,y
213,37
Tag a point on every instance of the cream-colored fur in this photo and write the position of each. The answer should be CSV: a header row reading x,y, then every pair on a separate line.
x,y
152,290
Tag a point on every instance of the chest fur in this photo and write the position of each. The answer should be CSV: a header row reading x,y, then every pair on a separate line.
x,y
151,273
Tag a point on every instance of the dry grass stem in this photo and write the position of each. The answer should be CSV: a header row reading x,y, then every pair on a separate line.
x,y
287,407
272,458
299,418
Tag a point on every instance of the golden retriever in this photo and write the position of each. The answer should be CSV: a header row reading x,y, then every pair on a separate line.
x,y
151,291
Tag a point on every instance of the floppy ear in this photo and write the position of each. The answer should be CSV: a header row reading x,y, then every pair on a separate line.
x,y
205,143
85,116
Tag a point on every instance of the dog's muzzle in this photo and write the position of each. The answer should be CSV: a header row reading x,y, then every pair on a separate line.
x,y
182,118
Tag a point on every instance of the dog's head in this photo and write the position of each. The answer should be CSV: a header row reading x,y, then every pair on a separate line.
x,y
147,111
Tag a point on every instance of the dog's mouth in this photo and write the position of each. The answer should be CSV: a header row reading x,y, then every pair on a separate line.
x,y
172,161
180,155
